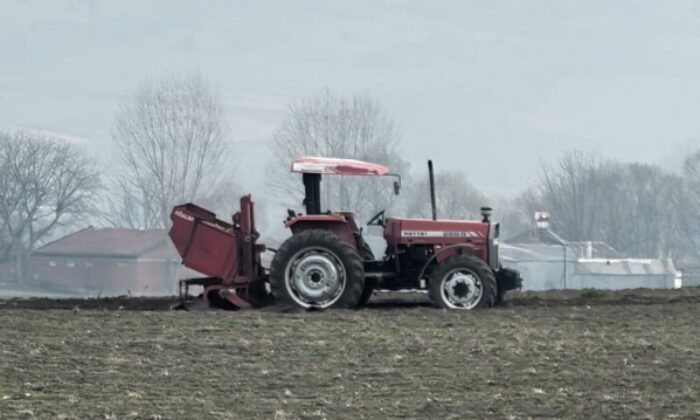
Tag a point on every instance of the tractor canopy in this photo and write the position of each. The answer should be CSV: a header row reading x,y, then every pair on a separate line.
x,y
312,168
336,166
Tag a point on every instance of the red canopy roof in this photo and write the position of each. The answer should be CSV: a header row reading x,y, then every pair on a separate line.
x,y
335,166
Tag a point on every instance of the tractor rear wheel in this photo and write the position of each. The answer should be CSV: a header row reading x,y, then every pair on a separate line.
x,y
462,282
317,269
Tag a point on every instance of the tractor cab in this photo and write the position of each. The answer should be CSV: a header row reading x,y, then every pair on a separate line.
x,y
342,223
313,168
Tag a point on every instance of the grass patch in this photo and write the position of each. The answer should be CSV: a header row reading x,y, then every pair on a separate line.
x,y
594,294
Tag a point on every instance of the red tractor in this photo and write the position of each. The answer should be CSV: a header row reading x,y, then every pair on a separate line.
x,y
327,264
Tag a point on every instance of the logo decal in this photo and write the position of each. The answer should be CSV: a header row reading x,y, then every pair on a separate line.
x,y
440,234
182,215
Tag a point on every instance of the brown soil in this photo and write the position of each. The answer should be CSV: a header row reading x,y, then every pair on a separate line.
x,y
385,301
110,304
553,355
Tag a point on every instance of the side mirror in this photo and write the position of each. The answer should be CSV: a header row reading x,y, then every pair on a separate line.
x,y
397,187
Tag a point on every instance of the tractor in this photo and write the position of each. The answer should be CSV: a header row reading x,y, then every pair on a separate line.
x,y
326,263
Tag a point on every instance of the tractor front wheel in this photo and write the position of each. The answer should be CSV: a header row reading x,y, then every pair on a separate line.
x,y
317,269
462,282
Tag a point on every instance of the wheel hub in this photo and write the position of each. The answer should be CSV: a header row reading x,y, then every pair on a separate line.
x,y
316,279
462,289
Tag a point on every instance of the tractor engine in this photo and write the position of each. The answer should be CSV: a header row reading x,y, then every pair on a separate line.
x,y
420,241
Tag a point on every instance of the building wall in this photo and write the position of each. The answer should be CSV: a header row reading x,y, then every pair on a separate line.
x,y
619,282
157,278
549,275
103,276
544,275
544,267
691,279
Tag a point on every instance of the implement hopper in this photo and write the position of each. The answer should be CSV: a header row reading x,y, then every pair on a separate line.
x,y
226,253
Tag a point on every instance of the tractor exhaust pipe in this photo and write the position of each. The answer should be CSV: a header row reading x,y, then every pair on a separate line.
x,y
432,189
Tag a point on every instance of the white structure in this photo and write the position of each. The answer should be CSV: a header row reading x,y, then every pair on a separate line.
x,y
547,262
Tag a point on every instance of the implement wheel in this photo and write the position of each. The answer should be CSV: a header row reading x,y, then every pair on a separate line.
x,y
462,282
317,269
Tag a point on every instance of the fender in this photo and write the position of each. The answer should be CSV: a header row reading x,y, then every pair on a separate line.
x,y
445,252
336,223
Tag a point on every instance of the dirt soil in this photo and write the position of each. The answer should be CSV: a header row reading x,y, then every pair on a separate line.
x,y
633,354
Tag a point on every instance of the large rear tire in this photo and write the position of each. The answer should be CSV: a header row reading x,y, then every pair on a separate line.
x,y
317,269
462,282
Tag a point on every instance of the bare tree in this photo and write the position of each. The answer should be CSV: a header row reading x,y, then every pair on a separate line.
x,y
455,197
647,212
690,206
636,208
691,176
573,190
171,147
516,214
45,184
336,126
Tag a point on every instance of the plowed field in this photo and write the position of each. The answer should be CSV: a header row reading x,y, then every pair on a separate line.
x,y
634,354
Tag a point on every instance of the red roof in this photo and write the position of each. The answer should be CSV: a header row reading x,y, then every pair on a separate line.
x,y
335,166
112,242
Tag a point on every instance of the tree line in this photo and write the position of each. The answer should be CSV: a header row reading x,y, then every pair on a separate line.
x,y
171,144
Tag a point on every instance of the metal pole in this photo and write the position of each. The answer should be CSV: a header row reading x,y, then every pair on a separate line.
x,y
312,193
566,274
432,189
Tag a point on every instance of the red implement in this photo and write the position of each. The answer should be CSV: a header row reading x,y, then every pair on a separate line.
x,y
227,253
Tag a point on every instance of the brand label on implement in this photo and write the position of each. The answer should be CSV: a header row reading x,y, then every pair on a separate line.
x,y
182,215
440,234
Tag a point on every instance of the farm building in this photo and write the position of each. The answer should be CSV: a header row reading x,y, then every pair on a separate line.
x,y
104,262
546,262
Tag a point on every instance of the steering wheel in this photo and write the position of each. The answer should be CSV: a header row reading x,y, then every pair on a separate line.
x,y
377,219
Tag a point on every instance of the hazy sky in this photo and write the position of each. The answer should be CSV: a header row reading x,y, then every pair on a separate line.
x,y
490,87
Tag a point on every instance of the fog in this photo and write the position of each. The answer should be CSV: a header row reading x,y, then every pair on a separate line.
x,y
492,88
493,92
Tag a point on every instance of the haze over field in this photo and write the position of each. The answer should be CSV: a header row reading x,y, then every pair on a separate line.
x,y
554,251
489,87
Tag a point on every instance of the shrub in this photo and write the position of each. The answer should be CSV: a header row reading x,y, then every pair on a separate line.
x,y
593,294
